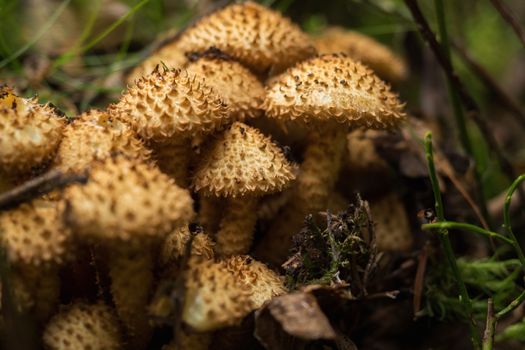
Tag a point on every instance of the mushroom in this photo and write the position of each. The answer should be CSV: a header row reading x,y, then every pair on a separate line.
x,y
362,48
256,36
331,93
95,135
392,229
214,298
127,207
241,165
221,294
36,244
168,108
174,245
83,326
239,88
30,133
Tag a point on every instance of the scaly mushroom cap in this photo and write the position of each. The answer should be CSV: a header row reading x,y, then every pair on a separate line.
x,y
170,55
242,161
362,48
94,135
214,298
253,34
262,282
169,103
29,132
241,90
83,326
334,87
126,200
33,234
175,244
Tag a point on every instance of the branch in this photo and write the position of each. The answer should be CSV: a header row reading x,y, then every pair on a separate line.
x,y
37,187
507,16
445,225
490,327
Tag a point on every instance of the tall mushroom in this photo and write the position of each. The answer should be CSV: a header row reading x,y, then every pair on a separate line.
x,y
241,165
168,108
126,208
243,93
330,93
36,243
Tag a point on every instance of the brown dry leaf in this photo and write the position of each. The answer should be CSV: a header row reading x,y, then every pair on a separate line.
x,y
291,319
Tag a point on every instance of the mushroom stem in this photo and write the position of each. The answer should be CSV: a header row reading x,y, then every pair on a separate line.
x,y
131,272
173,158
209,213
316,180
235,233
44,285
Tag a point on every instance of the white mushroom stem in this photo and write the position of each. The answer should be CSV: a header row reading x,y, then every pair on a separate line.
x,y
131,272
316,180
235,233
173,158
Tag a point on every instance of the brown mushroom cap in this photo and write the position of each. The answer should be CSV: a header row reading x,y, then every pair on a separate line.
x,y
334,87
262,282
175,245
241,90
29,132
33,234
94,135
253,34
168,103
242,161
126,200
214,298
362,48
83,326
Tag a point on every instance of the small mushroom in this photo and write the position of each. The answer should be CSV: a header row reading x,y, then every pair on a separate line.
x,y
174,245
362,48
127,207
392,229
167,109
30,133
221,294
94,135
239,88
241,165
256,36
36,243
331,93
83,326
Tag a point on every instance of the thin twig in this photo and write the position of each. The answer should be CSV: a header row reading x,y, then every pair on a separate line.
x,y
447,247
507,16
37,187
468,227
514,304
506,218
490,327
504,100
420,278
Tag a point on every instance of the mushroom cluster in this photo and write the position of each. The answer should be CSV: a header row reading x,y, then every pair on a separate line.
x,y
187,184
